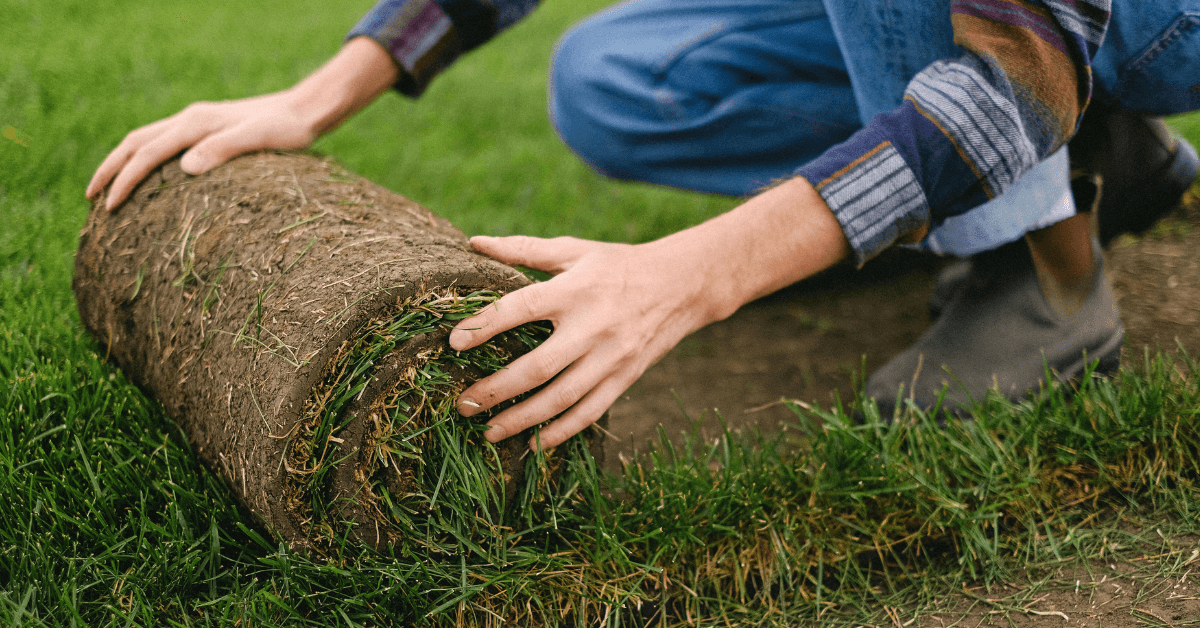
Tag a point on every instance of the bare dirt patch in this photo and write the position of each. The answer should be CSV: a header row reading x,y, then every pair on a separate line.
x,y
1102,594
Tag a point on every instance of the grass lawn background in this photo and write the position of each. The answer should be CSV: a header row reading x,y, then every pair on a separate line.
x,y
108,520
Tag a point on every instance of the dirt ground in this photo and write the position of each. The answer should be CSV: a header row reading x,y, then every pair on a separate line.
x,y
815,340
1104,595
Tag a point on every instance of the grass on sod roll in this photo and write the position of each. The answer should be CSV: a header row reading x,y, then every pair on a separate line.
x,y
452,487
109,520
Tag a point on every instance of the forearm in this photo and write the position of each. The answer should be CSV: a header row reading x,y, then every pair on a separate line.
x,y
769,242
351,80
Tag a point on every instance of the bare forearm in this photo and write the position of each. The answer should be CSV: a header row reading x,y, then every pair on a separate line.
x,y
351,80
769,242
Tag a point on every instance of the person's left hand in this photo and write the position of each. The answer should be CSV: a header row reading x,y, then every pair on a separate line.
x,y
616,309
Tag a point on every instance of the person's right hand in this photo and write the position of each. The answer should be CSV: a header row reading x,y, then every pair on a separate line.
x,y
214,131
217,131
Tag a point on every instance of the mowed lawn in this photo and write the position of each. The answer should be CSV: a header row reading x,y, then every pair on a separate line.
x,y
107,519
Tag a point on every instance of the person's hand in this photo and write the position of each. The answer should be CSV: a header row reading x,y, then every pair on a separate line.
x,y
616,308
216,132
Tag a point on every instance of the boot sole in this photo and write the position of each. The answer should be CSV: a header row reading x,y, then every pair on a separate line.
x,y
1108,363
1109,360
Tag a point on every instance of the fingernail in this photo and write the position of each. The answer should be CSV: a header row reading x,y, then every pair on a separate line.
x,y
496,434
467,407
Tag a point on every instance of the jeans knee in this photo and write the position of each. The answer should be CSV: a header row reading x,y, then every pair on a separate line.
x,y
586,101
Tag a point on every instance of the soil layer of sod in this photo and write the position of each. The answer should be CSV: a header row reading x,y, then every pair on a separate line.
x,y
292,318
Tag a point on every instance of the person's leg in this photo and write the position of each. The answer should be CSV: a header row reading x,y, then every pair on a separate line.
x,y
1148,66
1065,257
1149,63
726,96
713,95
1045,297
1144,169
1150,59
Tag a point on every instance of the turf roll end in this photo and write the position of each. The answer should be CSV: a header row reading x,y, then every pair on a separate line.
x,y
293,319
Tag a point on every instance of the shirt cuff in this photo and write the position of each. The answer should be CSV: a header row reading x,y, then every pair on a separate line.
x,y
872,191
419,36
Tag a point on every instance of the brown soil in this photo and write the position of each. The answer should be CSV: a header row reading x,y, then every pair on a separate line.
x,y
228,297
810,342
1119,594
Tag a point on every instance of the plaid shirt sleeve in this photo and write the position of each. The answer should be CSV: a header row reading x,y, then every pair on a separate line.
x,y
968,127
426,36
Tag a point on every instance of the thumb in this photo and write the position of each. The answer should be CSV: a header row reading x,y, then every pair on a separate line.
x,y
222,146
553,255
204,156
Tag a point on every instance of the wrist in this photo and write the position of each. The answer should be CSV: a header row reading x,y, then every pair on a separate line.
x,y
355,76
771,241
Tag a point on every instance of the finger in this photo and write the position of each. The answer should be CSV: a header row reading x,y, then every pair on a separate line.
x,y
120,155
150,156
582,414
253,135
524,374
108,168
513,309
551,255
565,391
217,149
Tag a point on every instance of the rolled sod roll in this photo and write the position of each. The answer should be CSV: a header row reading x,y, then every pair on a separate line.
x,y
293,319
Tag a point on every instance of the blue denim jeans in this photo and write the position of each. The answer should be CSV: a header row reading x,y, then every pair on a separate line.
x,y
727,96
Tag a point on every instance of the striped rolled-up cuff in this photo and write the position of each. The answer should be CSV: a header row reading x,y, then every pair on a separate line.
x,y
872,192
419,36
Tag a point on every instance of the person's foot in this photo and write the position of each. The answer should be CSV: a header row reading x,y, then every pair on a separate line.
x,y
999,331
1142,171
952,278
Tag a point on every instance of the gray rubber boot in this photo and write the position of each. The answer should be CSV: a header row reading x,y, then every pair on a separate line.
x,y
953,278
1143,168
950,280
1000,332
